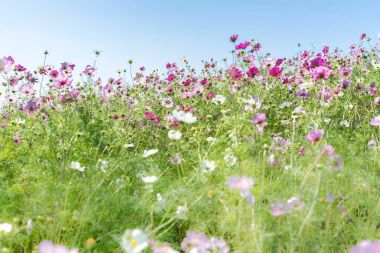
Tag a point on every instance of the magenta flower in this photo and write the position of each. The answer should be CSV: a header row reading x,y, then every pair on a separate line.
x,y
320,73
54,74
256,46
275,72
234,72
171,77
316,62
314,136
366,246
375,121
243,45
252,72
234,37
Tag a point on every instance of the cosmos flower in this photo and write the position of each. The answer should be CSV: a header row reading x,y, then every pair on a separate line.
x,y
77,166
375,121
243,45
234,37
321,73
366,246
186,117
134,241
5,228
207,166
218,100
5,65
275,72
345,72
49,247
284,207
149,152
252,72
240,183
174,134
314,136
89,71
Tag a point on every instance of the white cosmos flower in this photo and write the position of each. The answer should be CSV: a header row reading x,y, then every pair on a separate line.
x,y
134,241
5,228
218,99
149,152
207,166
76,166
186,117
174,135
149,179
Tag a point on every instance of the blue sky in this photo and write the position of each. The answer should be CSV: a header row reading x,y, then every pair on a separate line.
x,y
153,32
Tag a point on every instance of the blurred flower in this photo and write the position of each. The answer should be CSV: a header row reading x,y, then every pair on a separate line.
x,y
149,179
366,246
134,241
174,135
149,152
186,117
314,136
284,207
181,212
5,228
76,166
375,121
49,247
218,100
207,166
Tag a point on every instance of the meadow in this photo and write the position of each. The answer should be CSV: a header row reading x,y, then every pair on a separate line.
x,y
248,154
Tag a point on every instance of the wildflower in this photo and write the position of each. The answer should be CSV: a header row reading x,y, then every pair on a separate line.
x,y
174,135
345,72
181,212
89,71
252,72
129,145
372,144
195,242
76,166
207,166
134,241
149,152
162,248
321,73
366,246
234,37
240,183
167,102
275,72
219,99
314,136
218,245
54,74
149,179
5,65
375,121
62,81
260,121
30,107
230,160
108,91
284,207
242,45
17,139
186,117
49,247
5,228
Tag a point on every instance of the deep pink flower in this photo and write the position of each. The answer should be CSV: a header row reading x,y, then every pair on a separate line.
x,y
252,72
259,119
243,45
275,72
54,74
234,37
171,77
62,81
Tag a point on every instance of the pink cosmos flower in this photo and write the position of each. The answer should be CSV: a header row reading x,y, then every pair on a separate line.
x,y
243,45
321,73
234,72
252,72
108,91
62,81
54,74
375,121
314,136
5,65
366,246
284,207
345,72
89,71
240,183
171,77
275,72
49,247
30,107
234,37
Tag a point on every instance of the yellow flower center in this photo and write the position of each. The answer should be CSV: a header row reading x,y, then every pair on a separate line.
x,y
134,243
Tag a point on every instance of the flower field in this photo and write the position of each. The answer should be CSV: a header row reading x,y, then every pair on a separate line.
x,y
248,154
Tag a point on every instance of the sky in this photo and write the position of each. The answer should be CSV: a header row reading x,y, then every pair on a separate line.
x,y
154,32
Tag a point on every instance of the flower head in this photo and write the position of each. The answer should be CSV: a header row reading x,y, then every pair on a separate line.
x,y
134,241
49,247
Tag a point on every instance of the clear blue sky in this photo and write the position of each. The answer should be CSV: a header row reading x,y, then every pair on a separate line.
x,y
153,32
